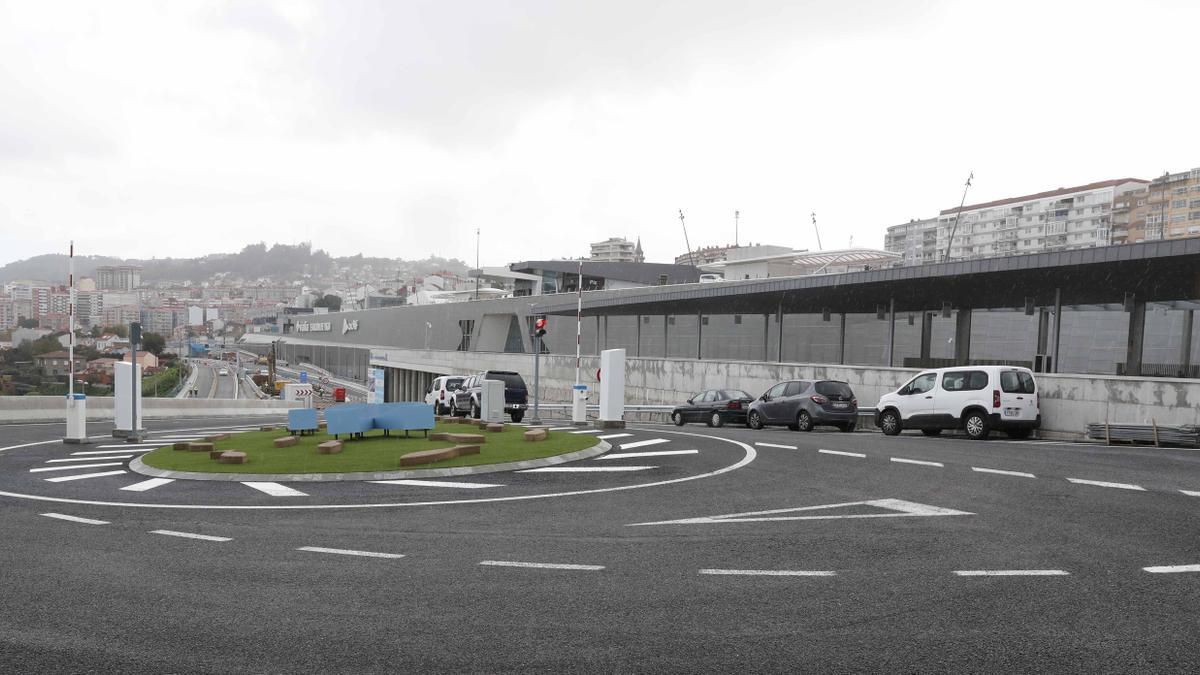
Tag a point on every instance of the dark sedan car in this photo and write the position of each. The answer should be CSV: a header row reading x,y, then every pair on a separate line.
x,y
714,408
804,404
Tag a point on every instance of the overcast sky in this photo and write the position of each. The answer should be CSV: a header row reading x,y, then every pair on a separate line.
x,y
398,128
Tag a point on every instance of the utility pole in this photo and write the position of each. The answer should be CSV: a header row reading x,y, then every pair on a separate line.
x,y
957,217
477,270
817,230
736,215
691,258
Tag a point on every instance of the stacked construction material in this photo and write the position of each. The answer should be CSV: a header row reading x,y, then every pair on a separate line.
x,y
1187,435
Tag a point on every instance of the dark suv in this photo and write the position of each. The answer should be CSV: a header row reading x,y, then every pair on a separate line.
x,y
467,400
804,404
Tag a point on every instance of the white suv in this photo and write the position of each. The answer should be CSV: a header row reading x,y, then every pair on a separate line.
x,y
976,399
441,391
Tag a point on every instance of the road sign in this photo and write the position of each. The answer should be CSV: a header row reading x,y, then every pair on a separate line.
x,y
892,508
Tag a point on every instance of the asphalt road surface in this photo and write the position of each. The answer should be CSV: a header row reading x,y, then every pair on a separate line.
x,y
681,550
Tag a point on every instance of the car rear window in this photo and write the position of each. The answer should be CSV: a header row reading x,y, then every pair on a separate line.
x,y
730,394
835,390
510,379
454,384
1017,382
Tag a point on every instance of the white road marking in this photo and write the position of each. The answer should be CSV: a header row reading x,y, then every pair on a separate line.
x,y
1002,472
750,454
542,566
63,479
1164,569
1011,573
148,484
75,519
76,466
844,454
917,461
605,438
898,507
776,445
650,453
133,446
190,535
561,428
436,483
642,444
274,489
586,469
346,551
1190,493
1100,483
107,452
773,573
587,431
88,459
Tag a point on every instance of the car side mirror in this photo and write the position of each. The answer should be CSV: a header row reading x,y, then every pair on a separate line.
x,y
689,401
764,397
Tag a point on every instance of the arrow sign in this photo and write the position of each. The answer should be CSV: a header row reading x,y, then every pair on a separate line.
x,y
895,508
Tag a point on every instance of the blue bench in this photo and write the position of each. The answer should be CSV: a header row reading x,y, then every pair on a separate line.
x,y
302,420
359,418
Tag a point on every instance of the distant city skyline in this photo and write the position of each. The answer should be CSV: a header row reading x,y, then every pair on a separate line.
x,y
146,129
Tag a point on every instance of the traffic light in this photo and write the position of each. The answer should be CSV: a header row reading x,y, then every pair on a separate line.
x,y
135,333
539,327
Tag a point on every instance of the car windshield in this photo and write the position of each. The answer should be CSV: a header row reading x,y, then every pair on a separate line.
x,y
731,394
839,390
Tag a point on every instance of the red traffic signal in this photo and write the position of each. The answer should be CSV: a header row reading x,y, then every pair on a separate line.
x,y
539,326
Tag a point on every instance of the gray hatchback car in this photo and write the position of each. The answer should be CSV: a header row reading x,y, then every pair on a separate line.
x,y
804,404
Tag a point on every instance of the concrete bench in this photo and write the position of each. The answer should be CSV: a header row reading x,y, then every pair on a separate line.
x,y
439,455
285,442
534,435
232,457
217,437
268,427
329,448
216,454
439,436
494,427
200,446
181,445
466,438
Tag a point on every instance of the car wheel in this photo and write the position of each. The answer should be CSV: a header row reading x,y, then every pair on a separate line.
x,y
976,426
1018,433
475,411
517,416
932,432
847,427
755,420
677,418
453,410
715,420
804,421
889,423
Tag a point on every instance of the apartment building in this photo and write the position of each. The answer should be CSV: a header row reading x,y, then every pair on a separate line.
x,y
1166,208
1055,220
118,277
8,313
617,249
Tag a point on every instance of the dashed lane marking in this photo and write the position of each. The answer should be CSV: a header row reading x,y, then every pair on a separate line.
x,y
587,431
586,469
133,446
605,438
1002,472
191,535
651,453
642,444
75,519
776,445
436,483
1100,483
274,489
87,459
542,566
842,453
77,466
104,452
346,551
921,462
1167,569
1011,573
1190,493
148,484
82,476
561,428
772,573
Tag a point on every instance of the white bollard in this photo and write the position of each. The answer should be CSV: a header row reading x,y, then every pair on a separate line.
x,y
124,391
579,393
612,389
76,419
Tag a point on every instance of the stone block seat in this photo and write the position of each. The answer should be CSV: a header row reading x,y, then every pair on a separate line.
x,y
215,454
534,435
494,427
200,446
285,442
329,448
439,436
466,438
181,445
217,437
232,457
439,455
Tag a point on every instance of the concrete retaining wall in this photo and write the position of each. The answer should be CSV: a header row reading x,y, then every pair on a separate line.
x,y
52,408
1068,402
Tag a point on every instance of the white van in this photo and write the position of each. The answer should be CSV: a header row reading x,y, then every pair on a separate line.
x,y
976,399
441,391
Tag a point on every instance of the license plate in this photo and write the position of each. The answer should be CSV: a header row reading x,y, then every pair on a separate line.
x,y
1012,412
841,405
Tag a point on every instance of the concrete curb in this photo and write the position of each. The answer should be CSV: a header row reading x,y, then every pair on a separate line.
x,y
137,466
